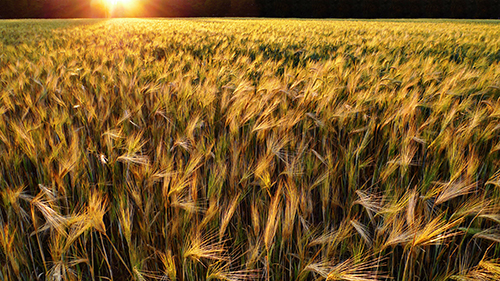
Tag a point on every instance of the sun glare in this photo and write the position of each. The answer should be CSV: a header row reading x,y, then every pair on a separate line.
x,y
117,8
114,3
122,2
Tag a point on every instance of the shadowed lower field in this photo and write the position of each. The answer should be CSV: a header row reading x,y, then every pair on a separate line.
x,y
212,149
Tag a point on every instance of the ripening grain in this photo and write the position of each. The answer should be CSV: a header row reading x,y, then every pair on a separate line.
x,y
211,149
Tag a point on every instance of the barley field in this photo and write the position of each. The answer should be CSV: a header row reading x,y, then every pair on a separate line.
x,y
231,149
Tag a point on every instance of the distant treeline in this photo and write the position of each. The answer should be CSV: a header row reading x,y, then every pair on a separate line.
x,y
486,9
381,8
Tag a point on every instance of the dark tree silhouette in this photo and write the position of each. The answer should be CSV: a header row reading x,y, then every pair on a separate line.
x,y
264,8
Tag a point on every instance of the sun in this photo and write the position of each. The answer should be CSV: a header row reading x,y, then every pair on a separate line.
x,y
120,8
114,3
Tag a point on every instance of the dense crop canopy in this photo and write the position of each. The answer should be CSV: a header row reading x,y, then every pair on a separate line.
x,y
248,149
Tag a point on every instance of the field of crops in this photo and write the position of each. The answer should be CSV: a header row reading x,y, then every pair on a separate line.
x,y
209,149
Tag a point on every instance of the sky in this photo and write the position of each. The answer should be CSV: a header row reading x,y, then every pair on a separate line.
x,y
487,9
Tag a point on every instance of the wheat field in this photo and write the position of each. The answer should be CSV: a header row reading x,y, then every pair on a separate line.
x,y
249,149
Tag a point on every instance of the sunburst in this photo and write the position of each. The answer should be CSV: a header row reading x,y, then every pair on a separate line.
x,y
119,7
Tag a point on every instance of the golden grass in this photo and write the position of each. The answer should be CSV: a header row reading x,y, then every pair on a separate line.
x,y
214,149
